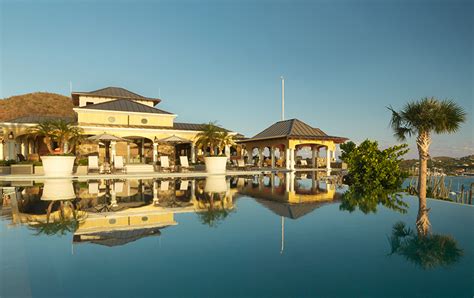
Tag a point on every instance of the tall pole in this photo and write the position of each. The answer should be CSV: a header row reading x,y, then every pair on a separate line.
x,y
282,98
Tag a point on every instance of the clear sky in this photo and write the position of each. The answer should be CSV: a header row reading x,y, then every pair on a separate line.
x,y
344,61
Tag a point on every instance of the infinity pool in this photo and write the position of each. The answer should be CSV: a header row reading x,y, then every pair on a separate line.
x,y
261,236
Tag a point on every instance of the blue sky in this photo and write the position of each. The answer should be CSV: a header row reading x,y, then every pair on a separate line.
x,y
344,61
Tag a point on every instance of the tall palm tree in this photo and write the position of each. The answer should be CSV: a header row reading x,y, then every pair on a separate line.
x,y
423,118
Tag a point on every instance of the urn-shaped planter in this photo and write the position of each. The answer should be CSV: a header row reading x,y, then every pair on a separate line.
x,y
58,166
215,164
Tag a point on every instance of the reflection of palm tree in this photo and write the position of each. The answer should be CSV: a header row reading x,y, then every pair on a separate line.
x,y
213,214
64,224
425,250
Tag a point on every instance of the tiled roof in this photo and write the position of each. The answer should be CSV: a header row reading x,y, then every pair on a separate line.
x,y
124,105
39,118
176,126
292,128
116,92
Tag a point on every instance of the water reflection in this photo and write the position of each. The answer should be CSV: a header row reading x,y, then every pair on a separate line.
x,y
115,212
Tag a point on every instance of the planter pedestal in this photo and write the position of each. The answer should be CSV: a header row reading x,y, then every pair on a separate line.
x,y
58,166
58,190
215,164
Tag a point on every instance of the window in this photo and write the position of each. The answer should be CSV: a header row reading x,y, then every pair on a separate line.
x,y
111,119
88,103
144,121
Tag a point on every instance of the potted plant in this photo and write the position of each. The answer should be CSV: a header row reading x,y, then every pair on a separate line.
x,y
60,137
216,139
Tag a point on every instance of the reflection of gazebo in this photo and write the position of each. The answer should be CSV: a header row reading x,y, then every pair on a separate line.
x,y
116,238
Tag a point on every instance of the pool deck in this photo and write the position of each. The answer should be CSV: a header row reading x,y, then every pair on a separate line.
x,y
150,175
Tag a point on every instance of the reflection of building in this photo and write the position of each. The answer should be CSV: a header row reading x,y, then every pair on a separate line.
x,y
116,212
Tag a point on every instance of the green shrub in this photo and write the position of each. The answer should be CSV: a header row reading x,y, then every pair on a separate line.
x,y
375,176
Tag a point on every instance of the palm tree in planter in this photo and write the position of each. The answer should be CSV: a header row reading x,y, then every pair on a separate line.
x,y
65,136
423,118
215,138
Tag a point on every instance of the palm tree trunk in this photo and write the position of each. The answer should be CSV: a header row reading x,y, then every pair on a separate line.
x,y
423,143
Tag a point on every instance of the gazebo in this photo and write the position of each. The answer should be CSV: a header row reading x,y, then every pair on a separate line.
x,y
288,136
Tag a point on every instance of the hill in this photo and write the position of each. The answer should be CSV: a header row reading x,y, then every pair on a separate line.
x,y
38,103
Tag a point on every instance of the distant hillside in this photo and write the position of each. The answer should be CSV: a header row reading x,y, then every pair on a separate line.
x,y
38,103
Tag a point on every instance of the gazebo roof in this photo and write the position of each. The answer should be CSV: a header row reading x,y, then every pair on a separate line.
x,y
292,129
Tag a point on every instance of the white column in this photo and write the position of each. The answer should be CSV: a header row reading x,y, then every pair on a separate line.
x,y
287,159
313,157
287,182
65,147
272,156
333,155
193,153
328,159
23,148
250,159
2,144
113,199
128,152
113,150
292,158
142,152
155,153
292,181
260,157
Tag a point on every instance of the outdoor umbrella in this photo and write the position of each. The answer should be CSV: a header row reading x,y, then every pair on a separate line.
x,y
107,138
174,140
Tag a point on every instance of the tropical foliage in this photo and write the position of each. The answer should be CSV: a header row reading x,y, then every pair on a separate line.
x,y
421,119
374,176
64,134
425,250
215,138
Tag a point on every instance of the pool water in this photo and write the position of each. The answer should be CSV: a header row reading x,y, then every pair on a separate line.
x,y
260,236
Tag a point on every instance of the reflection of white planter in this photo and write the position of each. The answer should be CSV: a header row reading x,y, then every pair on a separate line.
x,y
58,189
215,184
215,164
58,165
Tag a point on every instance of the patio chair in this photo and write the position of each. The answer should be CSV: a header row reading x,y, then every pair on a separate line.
x,y
183,160
165,163
119,164
241,164
93,163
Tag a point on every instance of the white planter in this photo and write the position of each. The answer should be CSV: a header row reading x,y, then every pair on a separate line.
x,y
215,164
58,190
58,165
215,184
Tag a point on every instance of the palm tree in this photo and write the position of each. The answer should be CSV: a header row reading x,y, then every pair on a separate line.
x,y
214,136
422,118
64,133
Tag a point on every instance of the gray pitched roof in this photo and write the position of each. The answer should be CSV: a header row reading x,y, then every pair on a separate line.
x,y
116,92
176,126
39,118
124,105
292,128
